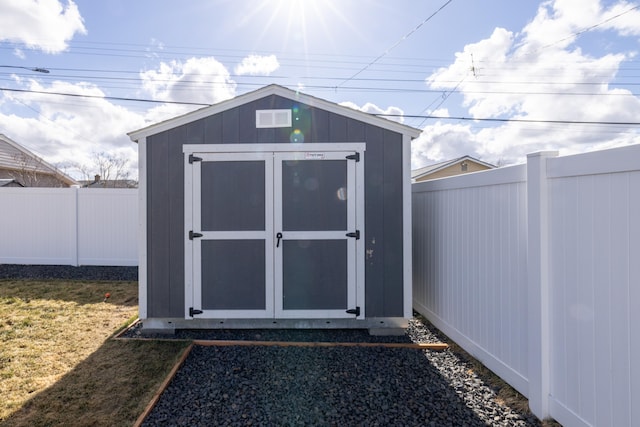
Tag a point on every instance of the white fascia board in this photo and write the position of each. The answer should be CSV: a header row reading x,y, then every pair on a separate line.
x,y
280,91
142,229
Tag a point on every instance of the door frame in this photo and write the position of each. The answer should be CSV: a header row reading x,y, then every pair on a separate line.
x,y
194,149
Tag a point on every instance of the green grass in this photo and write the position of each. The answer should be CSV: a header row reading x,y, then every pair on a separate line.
x,y
57,363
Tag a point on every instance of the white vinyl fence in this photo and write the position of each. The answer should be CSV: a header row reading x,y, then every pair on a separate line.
x,y
535,270
69,226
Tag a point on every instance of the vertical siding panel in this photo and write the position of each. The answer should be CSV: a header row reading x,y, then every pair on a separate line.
x,y
231,126
175,208
157,226
374,214
485,258
195,132
594,189
320,120
246,122
393,225
522,277
562,193
213,129
620,312
633,298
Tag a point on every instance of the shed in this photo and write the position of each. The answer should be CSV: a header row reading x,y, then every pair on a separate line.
x,y
275,209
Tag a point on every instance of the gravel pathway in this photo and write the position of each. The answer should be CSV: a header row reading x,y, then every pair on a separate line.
x,y
319,386
328,386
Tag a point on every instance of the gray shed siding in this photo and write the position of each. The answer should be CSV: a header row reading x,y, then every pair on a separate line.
x,y
383,196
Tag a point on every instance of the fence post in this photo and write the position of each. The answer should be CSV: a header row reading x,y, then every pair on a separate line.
x,y
538,282
76,237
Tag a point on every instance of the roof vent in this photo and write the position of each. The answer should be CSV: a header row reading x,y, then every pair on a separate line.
x,y
273,118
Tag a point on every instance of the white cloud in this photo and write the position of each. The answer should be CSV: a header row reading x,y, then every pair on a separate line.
x,y
46,25
200,80
257,65
65,130
539,73
396,114
68,130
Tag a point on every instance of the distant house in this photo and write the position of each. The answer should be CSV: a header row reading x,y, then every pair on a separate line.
x,y
98,182
10,183
20,167
461,165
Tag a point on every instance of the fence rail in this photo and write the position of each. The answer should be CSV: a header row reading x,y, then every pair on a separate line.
x,y
535,270
69,226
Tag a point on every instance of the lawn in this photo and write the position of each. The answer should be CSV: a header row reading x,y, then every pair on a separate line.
x,y
58,365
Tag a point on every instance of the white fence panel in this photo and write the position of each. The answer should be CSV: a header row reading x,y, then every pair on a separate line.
x,y
107,227
565,247
68,226
470,265
594,271
37,226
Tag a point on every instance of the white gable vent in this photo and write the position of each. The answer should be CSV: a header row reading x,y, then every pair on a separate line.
x,y
273,118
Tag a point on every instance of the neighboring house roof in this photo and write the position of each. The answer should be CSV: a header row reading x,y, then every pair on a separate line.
x,y
278,90
109,183
15,157
10,183
421,173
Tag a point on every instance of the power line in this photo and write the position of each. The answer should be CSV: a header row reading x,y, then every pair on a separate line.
x,y
489,119
113,98
406,36
460,118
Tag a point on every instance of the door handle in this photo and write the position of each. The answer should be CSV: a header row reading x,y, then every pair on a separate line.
x,y
278,236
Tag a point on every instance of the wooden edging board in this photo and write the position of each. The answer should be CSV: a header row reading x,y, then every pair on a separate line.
x,y
163,387
424,346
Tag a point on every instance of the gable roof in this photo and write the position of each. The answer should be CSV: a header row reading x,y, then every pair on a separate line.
x,y
427,170
15,157
273,89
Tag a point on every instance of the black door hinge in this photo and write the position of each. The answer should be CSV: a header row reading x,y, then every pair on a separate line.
x,y
193,158
355,311
193,235
193,312
356,234
355,157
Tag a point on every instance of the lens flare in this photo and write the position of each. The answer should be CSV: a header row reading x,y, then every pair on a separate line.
x,y
297,137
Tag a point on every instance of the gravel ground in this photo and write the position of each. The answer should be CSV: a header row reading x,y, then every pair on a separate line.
x,y
327,386
66,272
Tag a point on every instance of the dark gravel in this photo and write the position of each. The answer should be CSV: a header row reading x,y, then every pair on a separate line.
x,y
301,386
328,386
66,272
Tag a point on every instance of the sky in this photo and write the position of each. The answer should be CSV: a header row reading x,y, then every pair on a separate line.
x,y
493,79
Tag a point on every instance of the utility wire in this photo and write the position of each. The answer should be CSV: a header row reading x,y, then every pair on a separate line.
x,y
379,115
113,98
564,122
584,30
406,36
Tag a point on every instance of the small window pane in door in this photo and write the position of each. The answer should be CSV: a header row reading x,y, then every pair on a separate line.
x,y
314,274
233,196
314,195
233,275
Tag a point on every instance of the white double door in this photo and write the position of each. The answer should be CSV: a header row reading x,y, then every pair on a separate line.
x,y
274,234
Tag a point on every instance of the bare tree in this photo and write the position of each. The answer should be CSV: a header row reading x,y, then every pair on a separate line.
x,y
108,168
27,173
